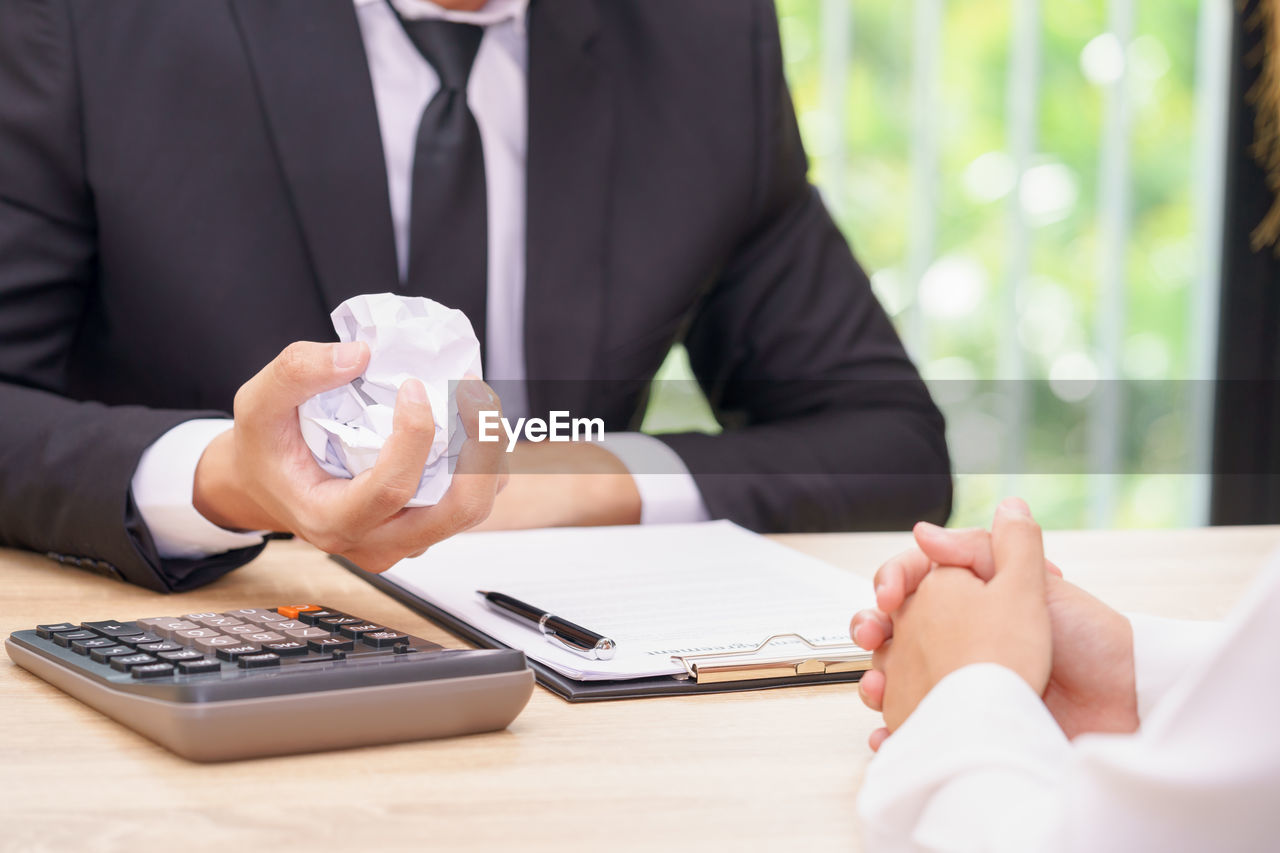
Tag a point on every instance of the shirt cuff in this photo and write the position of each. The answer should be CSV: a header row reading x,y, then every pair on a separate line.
x,y
668,493
162,490
1163,650
977,766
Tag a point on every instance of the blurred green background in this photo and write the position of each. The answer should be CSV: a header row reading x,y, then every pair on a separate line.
x,y
861,126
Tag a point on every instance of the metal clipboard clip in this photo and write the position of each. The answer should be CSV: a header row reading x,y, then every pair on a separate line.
x,y
749,664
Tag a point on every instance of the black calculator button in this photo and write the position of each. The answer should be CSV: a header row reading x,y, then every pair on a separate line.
x,y
196,667
311,617
384,639
158,646
152,670
307,634
66,638
286,647
82,647
331,644
333,623
358,630
180,655
137,639
111,628
124,663
106,653
258,661
46,632
233,652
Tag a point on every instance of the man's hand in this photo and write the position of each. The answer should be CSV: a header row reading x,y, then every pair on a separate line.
x,y
571,484
955,619
1091,683
262,476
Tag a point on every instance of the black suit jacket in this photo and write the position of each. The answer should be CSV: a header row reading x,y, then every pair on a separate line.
x,y
185,188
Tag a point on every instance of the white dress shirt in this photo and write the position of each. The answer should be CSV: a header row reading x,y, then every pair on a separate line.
x,y
982,766
403,83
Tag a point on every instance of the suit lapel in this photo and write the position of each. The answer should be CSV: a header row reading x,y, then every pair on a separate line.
x,y
568,168
313,79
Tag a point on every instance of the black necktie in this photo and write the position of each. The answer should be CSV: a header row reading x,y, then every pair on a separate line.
x,y
448,219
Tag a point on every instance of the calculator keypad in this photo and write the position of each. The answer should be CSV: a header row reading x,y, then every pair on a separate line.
x,y
248,640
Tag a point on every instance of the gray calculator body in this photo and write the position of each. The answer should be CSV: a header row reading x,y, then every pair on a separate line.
x,y
223,702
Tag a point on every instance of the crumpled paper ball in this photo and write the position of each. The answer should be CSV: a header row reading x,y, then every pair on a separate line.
x,y
409,337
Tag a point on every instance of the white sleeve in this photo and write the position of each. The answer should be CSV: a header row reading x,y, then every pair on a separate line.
x,y
981,765
977,767
162,490
1163,651
1203,772
668,494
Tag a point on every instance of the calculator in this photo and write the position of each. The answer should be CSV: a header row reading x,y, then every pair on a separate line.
x,y
274,680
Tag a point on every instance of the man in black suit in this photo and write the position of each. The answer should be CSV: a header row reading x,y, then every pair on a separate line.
x,y
187,189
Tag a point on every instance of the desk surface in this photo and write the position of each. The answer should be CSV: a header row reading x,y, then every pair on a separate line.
x,y
766,770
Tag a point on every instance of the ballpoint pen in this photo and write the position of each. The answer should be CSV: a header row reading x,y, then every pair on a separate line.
x,y
575,638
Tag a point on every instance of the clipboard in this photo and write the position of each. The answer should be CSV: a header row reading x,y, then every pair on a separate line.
x,y
719,672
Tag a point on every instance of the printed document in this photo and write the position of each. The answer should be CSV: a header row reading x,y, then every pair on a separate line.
x,y
657,591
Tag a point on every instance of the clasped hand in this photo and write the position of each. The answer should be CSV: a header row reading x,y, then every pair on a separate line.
x,y
969,596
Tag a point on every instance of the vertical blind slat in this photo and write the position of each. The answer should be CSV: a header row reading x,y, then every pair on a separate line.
x,y
926,118
1209,176
1115,189
1022,115
837,58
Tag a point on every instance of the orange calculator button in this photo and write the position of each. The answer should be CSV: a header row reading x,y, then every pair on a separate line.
x,y
292,610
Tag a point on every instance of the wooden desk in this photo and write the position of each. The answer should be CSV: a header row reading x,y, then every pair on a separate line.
x,y
768,770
